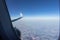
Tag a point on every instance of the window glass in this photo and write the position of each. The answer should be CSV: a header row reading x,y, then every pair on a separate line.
x,y
40,18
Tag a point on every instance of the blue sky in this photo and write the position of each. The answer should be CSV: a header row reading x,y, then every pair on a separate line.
x,y
33,7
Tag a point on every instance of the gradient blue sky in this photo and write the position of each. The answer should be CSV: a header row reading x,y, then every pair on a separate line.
x,y
33,7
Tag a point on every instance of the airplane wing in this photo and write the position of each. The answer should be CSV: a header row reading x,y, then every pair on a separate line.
x,y
16,19
21,15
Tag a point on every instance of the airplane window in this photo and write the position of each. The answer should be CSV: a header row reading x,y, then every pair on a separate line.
x,y
35,19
